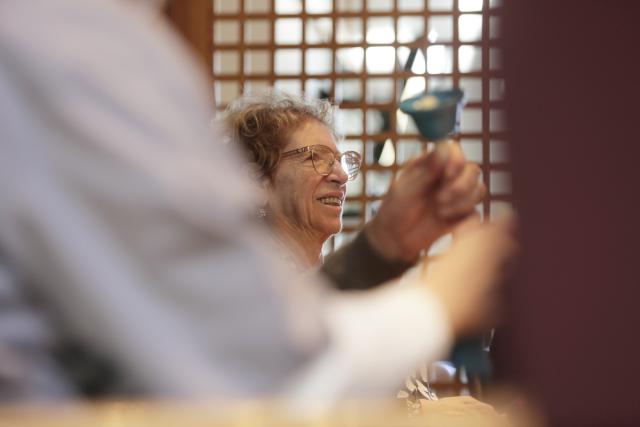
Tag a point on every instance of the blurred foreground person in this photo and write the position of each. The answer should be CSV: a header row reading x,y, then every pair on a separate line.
x,y
136,237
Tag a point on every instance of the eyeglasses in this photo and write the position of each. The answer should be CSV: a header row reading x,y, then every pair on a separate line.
x,y
323,158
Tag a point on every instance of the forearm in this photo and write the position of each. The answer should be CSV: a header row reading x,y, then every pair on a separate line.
x,y
376,338
358,265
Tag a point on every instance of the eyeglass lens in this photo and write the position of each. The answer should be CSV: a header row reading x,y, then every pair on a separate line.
x,y
350,162
323,158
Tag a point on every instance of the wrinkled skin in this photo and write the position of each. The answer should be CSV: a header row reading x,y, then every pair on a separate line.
x,y
296,190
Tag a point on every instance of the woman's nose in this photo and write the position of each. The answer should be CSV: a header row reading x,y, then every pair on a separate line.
x,y
338,173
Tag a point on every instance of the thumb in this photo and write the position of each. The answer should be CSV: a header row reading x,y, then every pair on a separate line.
x,y
428,167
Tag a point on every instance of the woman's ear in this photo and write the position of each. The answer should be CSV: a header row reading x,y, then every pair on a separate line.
x,y
266,186
265,183
262,183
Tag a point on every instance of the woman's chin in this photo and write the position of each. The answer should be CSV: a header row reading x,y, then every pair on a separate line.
x,y
329,223
331,228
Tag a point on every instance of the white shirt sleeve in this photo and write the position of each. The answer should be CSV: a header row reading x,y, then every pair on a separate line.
x,y
378,337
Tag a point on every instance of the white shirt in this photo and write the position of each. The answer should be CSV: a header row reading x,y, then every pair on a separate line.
x,y
133,224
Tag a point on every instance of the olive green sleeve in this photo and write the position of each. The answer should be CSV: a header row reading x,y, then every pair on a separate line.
x,y
358,265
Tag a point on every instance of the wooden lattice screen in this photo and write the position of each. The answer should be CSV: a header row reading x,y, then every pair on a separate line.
x,y
367,55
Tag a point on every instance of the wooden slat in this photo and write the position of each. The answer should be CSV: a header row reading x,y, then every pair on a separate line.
x,y
193,20
398,75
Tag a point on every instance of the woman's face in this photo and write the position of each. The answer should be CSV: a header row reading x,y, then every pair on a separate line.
x,y
302,198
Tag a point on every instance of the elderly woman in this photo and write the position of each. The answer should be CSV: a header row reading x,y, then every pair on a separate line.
x,y
292,147
292,150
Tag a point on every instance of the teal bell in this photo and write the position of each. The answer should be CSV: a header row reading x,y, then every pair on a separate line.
x,y
436,113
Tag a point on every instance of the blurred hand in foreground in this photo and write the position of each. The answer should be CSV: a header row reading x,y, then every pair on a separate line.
x,y
467,277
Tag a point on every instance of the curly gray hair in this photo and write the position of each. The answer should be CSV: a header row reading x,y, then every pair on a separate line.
x,y
262,124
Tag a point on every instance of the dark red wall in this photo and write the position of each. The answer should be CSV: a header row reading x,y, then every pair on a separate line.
x,y
572,71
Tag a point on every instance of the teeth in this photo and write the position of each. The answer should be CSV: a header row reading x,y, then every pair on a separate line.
x,y
333,201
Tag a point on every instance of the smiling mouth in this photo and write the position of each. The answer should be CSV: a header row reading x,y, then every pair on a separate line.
x,y
331,201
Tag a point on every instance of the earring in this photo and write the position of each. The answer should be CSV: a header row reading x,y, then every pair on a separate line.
x,y
262,212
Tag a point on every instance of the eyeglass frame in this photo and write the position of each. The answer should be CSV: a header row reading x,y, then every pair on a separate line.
x,y
338,157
